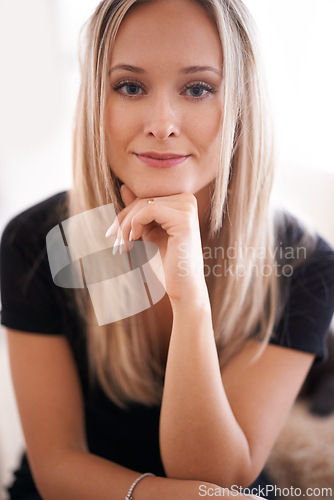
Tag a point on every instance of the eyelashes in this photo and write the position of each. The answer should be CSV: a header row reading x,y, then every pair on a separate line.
x,y
132,89
201,87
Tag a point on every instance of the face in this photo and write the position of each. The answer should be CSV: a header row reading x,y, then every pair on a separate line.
x,y
164,108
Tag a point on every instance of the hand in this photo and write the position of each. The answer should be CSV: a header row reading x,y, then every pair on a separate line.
x,y
171,222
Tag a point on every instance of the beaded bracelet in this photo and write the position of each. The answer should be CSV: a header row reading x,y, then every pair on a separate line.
x,y
134,484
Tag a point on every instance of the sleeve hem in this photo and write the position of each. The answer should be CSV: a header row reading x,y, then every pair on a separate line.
x,y
8,322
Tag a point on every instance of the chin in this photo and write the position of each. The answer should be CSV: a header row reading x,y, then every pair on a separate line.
x,y
150,191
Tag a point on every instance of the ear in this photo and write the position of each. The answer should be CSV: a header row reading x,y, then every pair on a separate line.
x,y
127,195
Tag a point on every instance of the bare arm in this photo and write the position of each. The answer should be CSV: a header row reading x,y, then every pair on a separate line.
x,y
50,404
221,426
214,426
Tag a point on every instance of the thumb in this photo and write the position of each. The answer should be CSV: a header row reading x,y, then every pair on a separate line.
x,y
127,195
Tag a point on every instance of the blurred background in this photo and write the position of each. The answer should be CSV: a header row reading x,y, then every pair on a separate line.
x,y
39,80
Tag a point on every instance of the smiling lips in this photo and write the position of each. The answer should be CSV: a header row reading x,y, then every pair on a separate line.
x,y
161,160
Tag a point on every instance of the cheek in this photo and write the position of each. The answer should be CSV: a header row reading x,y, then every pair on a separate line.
x,y
118,123
210,131
112,119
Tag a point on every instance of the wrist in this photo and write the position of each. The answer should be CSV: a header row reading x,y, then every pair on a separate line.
x,y
135,483
168,489
194,305
148,488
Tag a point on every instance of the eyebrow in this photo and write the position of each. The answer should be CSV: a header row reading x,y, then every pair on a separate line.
x,y
127,67
198,69
185,71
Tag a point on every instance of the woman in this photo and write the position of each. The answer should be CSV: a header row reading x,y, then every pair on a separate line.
x,y
171,130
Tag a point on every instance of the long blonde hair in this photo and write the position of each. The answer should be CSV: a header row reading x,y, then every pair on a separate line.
x,y
122,358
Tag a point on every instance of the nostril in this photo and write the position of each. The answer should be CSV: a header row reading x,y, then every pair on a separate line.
x,y
162,133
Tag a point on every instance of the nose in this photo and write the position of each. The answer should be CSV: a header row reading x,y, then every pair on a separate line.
x,y
162,120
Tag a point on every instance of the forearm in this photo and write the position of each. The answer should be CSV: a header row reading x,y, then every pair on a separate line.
x,y
199,435
82,476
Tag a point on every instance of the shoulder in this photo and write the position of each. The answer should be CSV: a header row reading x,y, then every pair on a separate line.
x,y
24,236
318,267
30,300
309,256
301,248
306,285
35,221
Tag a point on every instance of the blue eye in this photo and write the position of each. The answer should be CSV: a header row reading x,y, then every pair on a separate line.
x,y
129,89
132,89
198,90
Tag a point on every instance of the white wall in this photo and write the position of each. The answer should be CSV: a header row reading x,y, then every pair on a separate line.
x,y
297,44
38,87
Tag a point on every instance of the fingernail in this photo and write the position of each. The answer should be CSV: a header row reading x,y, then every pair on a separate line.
x,y
112,229
121,244
114,250
130,235
128,246
116,245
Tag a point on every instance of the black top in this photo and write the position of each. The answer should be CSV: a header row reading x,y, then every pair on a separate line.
x,y
31,302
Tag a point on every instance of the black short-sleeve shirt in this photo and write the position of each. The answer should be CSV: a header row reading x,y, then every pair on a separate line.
x,y
31,302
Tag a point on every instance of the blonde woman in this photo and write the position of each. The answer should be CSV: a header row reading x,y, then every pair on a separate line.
x,y
185,398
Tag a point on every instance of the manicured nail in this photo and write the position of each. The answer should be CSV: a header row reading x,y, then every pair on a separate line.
x,y
117,242
112,229
130,235
128,246
121,244
114,251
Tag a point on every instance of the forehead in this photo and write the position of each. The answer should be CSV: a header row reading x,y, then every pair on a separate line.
x,y
163,30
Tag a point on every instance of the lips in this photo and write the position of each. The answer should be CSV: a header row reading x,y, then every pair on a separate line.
x,y
161,160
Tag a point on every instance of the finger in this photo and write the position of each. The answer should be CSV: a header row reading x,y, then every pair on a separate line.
x,y
123,220
113,228
122,225
127,195
120,244
154,209
167,217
